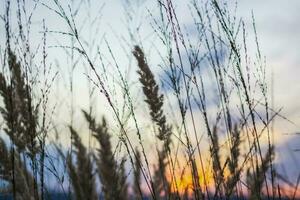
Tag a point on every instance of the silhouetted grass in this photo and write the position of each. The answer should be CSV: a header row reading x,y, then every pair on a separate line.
x,y
232,122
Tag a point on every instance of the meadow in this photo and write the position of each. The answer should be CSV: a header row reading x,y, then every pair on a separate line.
x,y
177,104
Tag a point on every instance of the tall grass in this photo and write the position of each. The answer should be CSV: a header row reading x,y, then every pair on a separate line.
x,y
210,149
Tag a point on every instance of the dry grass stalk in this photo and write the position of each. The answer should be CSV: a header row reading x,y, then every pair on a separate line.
x,y
81,174
111,174
256,180
23,178
20,119
155,104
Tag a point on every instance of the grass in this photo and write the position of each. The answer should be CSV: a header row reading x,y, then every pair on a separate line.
x,y
207,83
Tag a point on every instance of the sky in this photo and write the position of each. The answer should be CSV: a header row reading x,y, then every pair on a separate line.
x,y
278,28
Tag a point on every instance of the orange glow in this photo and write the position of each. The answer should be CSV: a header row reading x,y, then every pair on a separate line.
x,y
183,182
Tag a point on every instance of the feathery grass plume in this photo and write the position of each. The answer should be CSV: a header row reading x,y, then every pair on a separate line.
x,y
162,186
110,172
255,180
153,99
81,174
20,119
123,177
23,178
155,102
233,160
18,112
216,161
137,176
